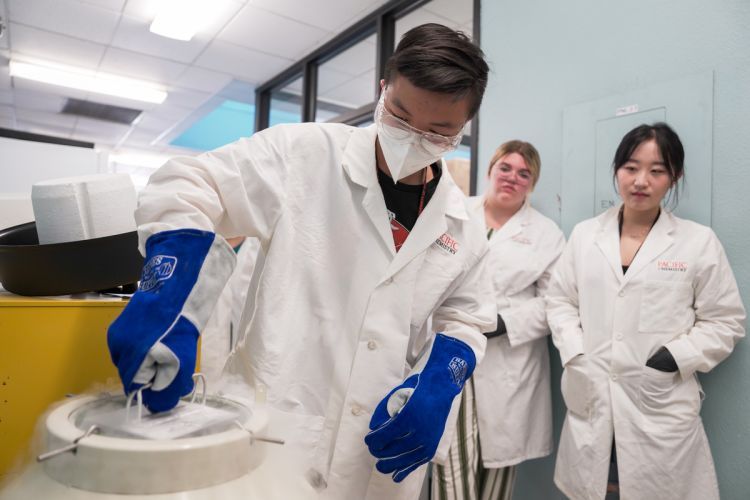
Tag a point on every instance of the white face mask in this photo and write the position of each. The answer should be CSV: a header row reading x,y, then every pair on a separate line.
x,y
403,150
404,157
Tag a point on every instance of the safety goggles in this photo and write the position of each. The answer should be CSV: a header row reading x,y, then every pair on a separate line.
x,y
399,130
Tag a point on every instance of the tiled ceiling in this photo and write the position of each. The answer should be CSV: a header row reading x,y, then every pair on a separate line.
x,y
251,42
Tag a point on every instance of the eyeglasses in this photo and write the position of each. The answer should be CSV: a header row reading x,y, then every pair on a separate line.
x,y
398,129
506,172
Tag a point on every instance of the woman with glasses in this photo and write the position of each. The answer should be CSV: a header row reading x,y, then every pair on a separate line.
x,y
505,414
639,302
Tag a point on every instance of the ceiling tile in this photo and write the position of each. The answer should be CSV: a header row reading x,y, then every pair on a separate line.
x,y
173,114
245,64
40,101
204,80
253,28
5,82
152,121
142,9
326,14
133,34
7,122
113,5
185,98
140,66
146,10
141,137
45,118
7,110
6,97
237,90
54,48
44,129
83,21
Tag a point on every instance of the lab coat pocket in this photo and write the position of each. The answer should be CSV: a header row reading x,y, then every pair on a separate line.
x,y
663,306
576,389
667,402
302,435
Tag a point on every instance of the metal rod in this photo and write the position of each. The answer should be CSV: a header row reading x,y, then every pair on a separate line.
x,y
254,438
71,447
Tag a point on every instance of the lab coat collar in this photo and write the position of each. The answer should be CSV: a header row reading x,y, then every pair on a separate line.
x,y
448,200
432,223
658,240
359,164
359,156
515,225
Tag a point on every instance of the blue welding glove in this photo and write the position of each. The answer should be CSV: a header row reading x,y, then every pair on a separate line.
x,y
154,340
407,425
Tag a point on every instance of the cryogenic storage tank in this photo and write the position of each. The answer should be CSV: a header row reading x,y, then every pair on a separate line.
x,y
97,449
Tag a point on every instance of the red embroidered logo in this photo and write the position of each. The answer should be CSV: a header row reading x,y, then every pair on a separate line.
x,y
447,243
672,265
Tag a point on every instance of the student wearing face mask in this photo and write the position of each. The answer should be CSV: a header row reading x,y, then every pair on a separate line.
x,y
505,414
373,297
639,303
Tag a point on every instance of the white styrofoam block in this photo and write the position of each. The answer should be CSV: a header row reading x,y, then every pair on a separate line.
x,y
83,207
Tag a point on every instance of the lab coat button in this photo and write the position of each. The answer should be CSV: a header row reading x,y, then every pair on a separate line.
x,y
613,377
622,293
372,345
356,410
618,336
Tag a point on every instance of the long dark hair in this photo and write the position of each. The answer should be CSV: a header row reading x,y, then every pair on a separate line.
x,y
670,147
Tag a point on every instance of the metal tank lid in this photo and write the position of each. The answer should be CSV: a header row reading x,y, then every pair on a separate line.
x,y
97,444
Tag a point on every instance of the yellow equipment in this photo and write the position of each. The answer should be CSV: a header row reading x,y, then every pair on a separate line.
x,y
49,347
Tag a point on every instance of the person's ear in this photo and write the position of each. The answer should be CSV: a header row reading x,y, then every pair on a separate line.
x,y
382,85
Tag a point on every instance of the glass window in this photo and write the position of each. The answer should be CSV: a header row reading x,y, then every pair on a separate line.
x,y
286,104
347,81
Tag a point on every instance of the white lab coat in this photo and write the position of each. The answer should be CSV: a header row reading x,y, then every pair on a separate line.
x,y
339,315
221,332
678,292
512,385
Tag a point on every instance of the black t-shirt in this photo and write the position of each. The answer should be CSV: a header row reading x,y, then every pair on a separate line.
x,y
402,202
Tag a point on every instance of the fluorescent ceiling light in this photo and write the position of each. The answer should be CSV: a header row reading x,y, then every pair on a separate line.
x,y
88,81
182,19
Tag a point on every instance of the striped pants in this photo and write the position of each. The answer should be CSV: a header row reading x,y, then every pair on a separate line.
x,y
463,477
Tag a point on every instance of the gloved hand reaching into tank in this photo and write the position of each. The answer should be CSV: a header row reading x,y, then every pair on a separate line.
x,y
662,360
407,425
154,340
500,330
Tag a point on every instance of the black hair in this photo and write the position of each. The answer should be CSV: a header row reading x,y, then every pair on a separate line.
x,y
669,145
436,58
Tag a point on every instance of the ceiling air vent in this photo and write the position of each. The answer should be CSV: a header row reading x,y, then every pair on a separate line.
x,y
98,111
